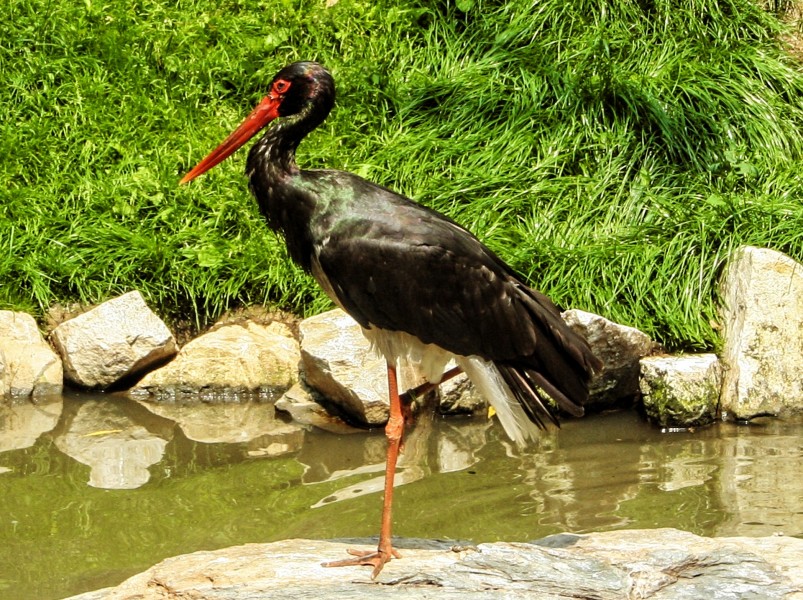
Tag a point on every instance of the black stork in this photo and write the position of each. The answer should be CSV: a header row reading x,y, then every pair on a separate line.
x,y
422,287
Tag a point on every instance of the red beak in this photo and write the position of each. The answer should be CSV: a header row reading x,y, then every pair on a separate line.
x,y
264,113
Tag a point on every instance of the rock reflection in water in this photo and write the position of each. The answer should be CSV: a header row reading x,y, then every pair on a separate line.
x,y
725,480
452,449
23,420
243,418
689,468
576,478
603,472
762,479
118,450
229,422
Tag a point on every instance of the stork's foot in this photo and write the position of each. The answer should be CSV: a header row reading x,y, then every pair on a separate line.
x,y
366,558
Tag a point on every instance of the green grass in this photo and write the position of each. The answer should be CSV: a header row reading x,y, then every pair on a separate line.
x,y
613,152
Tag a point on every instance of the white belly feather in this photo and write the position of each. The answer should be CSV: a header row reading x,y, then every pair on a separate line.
x,y
398,346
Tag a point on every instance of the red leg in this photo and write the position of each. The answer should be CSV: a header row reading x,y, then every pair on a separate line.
x,y
410,395
394,431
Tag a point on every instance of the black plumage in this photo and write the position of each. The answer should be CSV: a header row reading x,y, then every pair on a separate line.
x,y
421,286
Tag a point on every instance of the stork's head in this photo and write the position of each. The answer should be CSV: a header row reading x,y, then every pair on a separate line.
x,y
301,88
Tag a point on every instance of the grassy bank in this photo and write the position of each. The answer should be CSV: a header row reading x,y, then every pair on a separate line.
x,y
612,151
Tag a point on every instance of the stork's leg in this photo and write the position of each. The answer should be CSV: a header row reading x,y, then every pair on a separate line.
x,y
425,388
410,396
394,431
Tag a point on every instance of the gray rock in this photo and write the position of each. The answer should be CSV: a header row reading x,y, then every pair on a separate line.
x,y
620,348
653,564
232,358
681,391
459,396
117,339
762,291
28,365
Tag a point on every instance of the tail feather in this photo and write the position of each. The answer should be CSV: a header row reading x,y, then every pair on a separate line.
x,y
555,377
549,371
491,384
526,399
560,368
535,406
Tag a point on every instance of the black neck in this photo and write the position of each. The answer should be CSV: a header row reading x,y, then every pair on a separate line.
x,y
272,169
275,151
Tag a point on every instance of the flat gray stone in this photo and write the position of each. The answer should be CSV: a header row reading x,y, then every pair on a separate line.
x,y
620,348
659,564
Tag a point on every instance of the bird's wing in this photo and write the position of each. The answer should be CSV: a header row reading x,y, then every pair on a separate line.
x,y
415,271
399,266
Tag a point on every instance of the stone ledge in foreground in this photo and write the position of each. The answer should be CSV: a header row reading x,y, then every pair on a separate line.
x,y
654,563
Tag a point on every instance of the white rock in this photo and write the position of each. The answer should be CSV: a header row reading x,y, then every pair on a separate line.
x,y
620,348
234,357
762,316
4,375
117,339
28,365
338,362
681,390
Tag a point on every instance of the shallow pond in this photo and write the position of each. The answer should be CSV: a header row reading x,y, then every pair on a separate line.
x,y
94,488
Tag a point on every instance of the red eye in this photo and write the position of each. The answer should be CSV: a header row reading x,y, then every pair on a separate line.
x,y
281,86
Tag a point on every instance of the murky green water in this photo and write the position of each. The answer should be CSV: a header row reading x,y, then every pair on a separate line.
x,y
95,488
